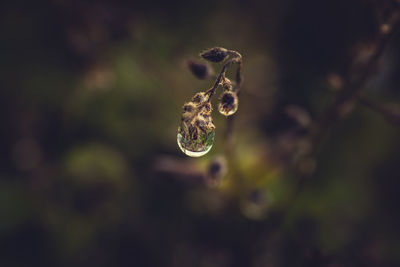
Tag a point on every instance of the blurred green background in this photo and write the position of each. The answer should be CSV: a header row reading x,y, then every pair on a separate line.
x,y
91,98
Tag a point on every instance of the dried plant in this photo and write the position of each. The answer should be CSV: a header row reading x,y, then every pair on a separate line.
x,y
196,130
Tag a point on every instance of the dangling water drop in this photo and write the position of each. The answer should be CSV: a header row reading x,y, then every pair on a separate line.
x,y
229,103
196,131
195,145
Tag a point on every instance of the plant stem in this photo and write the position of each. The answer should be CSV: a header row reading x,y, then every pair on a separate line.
x,y
221,75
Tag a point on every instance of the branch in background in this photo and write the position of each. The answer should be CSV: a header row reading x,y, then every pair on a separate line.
x,y
348,94
355,82
391,112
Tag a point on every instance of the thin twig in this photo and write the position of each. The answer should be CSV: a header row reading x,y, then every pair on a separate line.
x,y
236,59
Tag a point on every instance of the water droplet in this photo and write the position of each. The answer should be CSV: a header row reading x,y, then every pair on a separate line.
x,y
227,112
195,147
228,104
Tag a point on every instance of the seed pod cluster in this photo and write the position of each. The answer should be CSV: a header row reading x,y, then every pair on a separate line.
x,y
196,129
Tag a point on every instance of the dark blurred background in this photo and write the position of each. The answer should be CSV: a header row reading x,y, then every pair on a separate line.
x,y
91,98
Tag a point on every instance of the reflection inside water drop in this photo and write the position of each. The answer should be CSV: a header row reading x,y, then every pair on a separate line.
x,y
229,103
195,148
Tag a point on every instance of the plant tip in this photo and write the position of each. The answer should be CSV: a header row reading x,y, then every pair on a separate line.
x,y
216,54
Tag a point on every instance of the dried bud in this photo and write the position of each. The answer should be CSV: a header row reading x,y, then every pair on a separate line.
x,y
208,120
299,115
335,81
216,54
216,170
256,196
385,28
199,98
206,108
228,104
200,70
189,107
186,117
256,205
227,84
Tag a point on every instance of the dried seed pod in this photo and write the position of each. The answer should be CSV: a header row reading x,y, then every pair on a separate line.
x,y
200,70
216,54
206,108
229,103
196,131
216,170
299,115
227,84
186,117
199,98
189,107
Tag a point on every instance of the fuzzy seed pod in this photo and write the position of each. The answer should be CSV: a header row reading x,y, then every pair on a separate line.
x,y
206,108
227,84
200,70
205,116
189,107
186,117
216,54
229,103
199,98
196,131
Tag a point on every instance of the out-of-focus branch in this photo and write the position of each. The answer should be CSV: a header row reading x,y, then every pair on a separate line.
x,y
391,112
354,83
349,95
